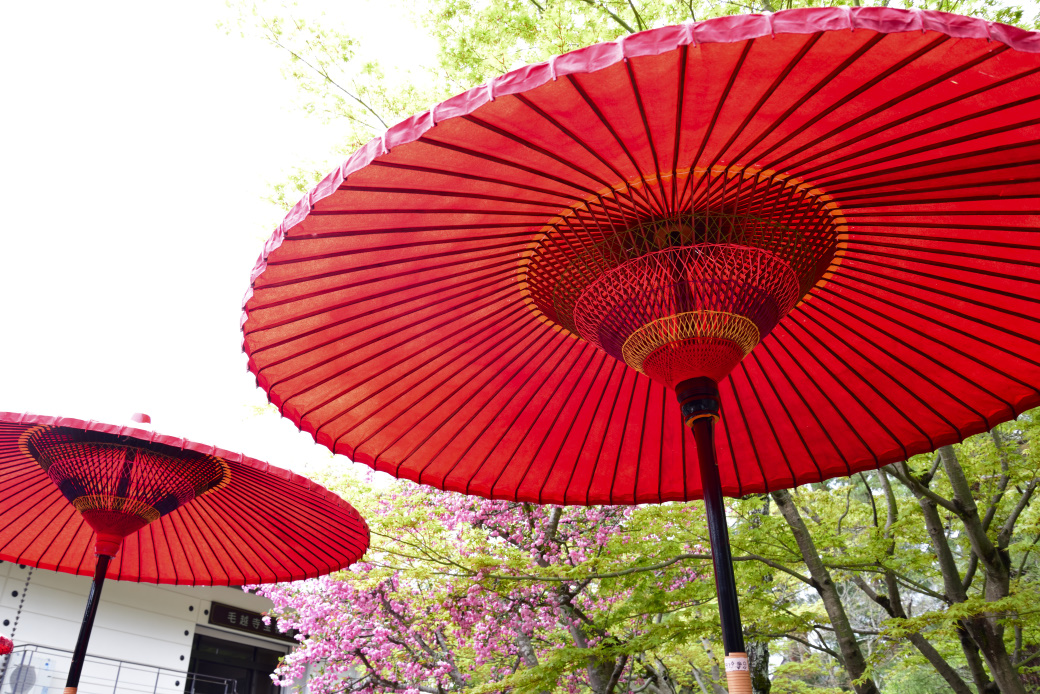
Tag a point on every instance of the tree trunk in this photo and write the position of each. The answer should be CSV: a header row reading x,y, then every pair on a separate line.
x,y
758,660
983,632
855,663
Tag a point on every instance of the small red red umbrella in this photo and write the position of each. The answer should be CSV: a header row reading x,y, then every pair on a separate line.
x,y
823,222
123,503
6,645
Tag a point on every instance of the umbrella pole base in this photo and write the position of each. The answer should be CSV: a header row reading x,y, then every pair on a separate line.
x,y
738,674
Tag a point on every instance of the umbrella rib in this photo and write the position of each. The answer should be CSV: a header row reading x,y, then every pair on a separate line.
x,y
184,539
56,506
225,548
779,444
318,533
474,324
549,154
902,98
970,318
923,149
864,219
938,128
871,259
568,345
335,340
573,137
649,137
367,191
355,212
869,188
532,354
484,156
164,532
812,411
869,383
591,103
495,268
905,364
822,295
502,336
193,510
859,175
303,564
766,95
321,526
439,228
682,454
642,437
871,194
257,529
474,177
549,430
588,430
810,93
509,279
624,435
615,364
873,203
751,438
775,338
783,325
729,442
661,447
711,128
566,376
505,404
387,349
847,98
677,138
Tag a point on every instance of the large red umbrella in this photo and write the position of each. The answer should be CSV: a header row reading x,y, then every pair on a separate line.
x,y
132,505
822,221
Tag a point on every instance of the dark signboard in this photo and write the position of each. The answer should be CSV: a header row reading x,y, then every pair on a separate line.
x,y
249,622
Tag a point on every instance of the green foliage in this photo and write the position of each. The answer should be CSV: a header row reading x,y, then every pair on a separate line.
x,y
477,40
916,681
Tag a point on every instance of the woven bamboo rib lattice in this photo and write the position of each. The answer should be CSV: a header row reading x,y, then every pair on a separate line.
x,y
120,485
695,301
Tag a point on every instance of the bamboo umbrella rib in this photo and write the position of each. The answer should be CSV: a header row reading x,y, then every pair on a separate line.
x,y
428,355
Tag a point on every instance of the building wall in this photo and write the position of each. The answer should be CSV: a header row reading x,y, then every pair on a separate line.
x,y
136,622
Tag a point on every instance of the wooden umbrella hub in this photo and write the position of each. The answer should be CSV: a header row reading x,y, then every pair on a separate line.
x,y
119,487
687,294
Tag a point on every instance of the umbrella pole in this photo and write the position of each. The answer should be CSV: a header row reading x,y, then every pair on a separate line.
x,y
80,654
699,399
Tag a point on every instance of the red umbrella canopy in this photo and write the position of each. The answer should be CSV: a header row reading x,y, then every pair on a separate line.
x,y
831,212
184,513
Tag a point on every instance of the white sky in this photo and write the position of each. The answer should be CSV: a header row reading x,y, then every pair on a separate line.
x,y
137,141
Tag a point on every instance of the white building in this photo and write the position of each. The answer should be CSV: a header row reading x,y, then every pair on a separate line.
x,y
147,638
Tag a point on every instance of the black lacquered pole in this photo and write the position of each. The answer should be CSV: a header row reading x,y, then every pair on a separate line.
x,y
80,654
700,404
718,532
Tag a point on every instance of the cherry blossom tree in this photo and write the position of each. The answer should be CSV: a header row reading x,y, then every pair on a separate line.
x,y
460,593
